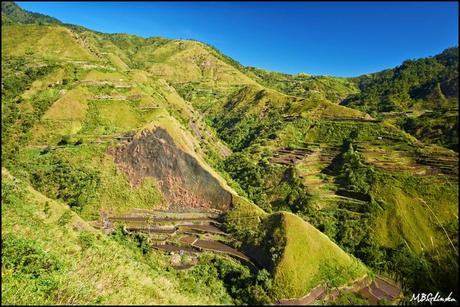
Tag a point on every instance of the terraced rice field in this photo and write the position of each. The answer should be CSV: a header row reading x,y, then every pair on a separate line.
x,y
419,165
173,248
203,228
220,247
188,239
193,225
288,156
374,292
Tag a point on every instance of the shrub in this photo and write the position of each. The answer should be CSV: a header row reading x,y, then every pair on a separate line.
x,y
10,192
58,179
349,299
354,175
27,257
65,218
244,286
86,239
65,140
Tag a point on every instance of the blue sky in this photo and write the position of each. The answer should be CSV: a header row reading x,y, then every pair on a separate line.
x,y
330,38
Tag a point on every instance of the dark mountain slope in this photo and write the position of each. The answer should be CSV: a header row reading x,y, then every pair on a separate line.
x,y
422,93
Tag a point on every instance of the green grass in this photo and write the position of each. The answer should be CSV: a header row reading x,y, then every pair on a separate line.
x,y
310,258
406,217
71,106
185,61
191,83
98,75
86,267
333,89
49,42
113,192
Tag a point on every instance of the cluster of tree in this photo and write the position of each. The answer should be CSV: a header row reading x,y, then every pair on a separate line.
x,y
246,287
399,88
58,179
17,77
423,84
249,176
353,174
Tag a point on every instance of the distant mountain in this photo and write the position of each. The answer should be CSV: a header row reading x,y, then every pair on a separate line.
x,y
424,91
335,89
16,14
423,83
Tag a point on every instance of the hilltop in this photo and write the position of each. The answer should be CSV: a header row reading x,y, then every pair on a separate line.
x,y
308,180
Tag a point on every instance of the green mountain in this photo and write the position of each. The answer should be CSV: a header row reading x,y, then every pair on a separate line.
x,y
423,93
288,183
11,12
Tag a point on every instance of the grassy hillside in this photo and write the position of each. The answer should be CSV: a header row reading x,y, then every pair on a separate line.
x,y
47,42
333,89
86,267
323,261
280,240
314,179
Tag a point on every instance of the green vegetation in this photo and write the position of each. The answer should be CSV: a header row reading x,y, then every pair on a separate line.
x,y
245,287
439,127
19,116
17,14
334,89
349,299
57,179
421,85
86,179
329,178
279,239
353,174
325,261
37,270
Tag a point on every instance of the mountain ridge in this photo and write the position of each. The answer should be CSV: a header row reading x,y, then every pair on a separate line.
x,y
114,122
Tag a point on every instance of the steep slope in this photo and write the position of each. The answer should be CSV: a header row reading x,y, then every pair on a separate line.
x,y
299,256
86,267
115,122
45,42
323,261
183,181
189,61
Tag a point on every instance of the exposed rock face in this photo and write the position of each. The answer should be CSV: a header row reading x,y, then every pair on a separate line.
x,y
183,182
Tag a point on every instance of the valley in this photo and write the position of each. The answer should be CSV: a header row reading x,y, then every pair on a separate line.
x,y
159,171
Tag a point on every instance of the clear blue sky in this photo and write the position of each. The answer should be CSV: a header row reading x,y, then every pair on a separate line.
x,y
331,38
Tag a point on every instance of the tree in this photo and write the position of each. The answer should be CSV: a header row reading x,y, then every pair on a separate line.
x,y
354,175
